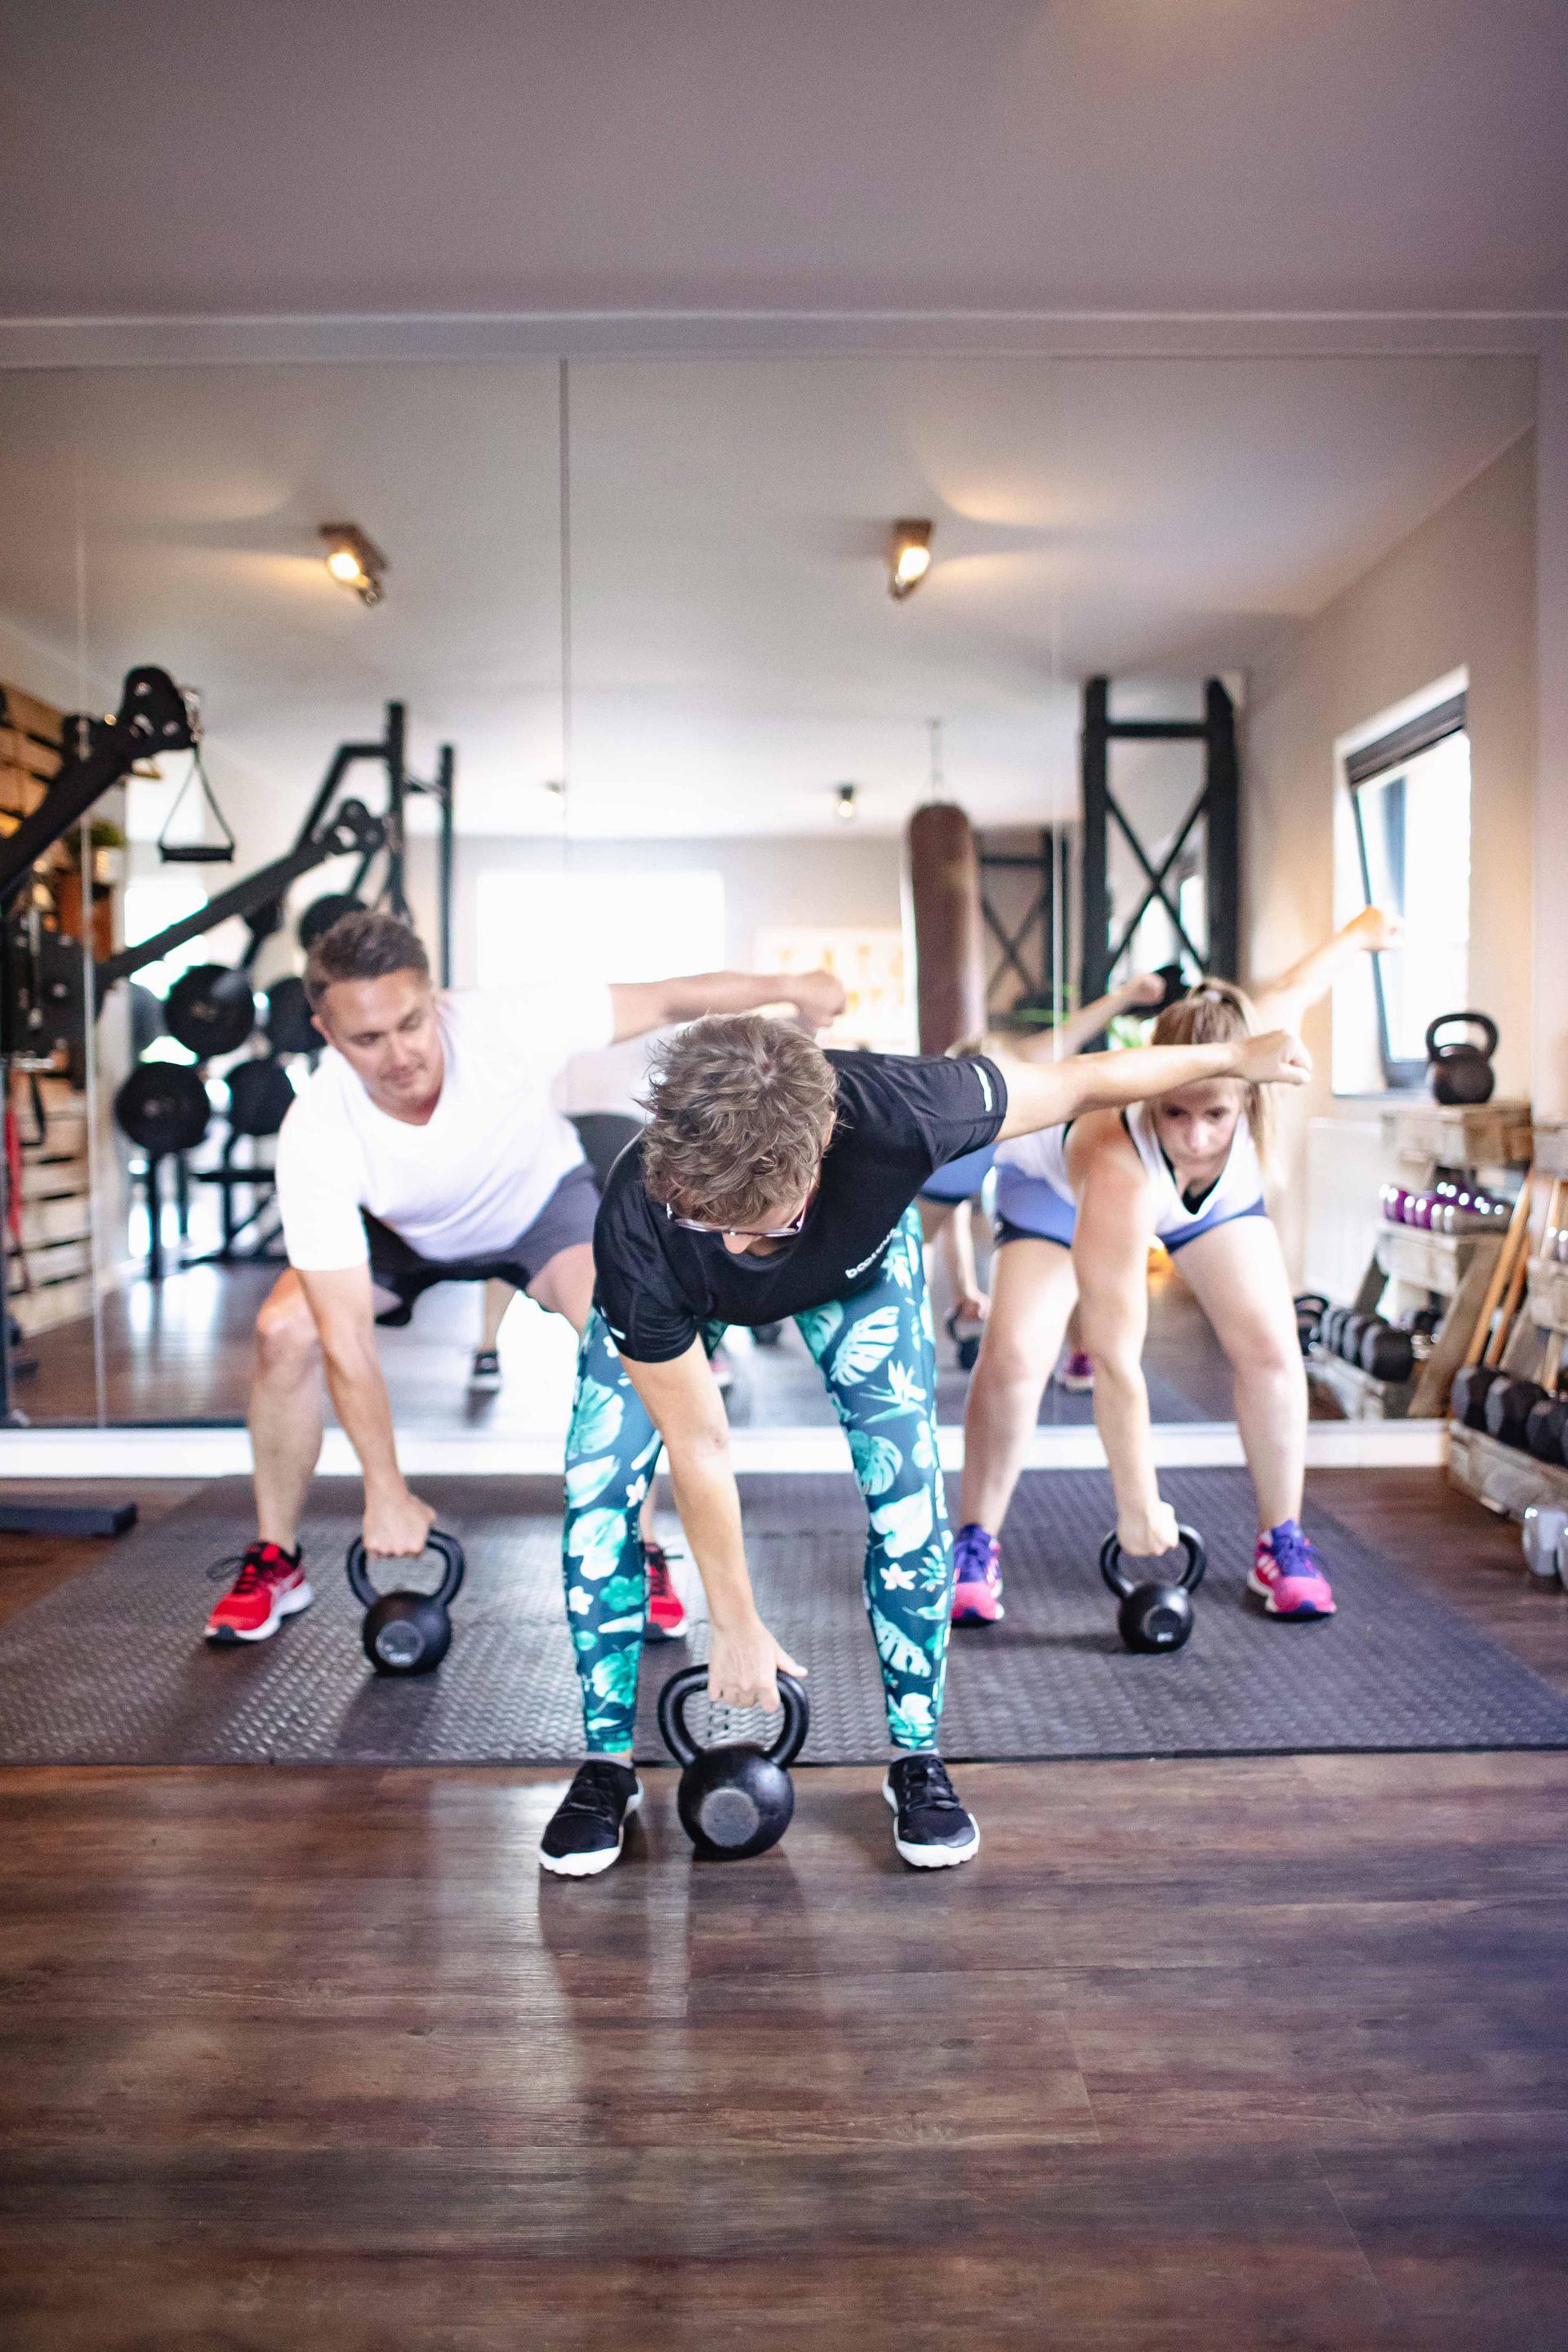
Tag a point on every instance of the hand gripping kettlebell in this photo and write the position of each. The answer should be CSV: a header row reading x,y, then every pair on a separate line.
x,y
1461,1071
1156,1616
407,1633
735,1799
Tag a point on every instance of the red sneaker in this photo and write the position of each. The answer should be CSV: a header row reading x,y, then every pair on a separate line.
x,y
666,1618
271,1585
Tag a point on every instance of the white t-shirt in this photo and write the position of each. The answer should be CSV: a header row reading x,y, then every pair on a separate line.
x,y
474,1178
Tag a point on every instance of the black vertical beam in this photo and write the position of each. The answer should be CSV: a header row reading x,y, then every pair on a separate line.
x,y
1222,815
1095,757
445,764
397,794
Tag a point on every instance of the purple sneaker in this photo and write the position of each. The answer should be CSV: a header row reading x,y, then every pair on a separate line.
x,y
977,1593
1288,1576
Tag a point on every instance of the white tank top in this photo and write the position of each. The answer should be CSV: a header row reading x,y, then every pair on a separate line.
x,y
1239,1188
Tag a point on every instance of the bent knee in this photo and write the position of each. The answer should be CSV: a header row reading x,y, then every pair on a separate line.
x,y
286,1334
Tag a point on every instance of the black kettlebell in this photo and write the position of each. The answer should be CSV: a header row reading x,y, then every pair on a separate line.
x,y
407,1633
737,1799
1157,1616
1461,1071
967,1343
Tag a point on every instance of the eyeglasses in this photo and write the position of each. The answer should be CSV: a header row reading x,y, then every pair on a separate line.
x,y
741,1233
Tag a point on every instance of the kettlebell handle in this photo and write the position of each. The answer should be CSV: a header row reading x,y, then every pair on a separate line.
x,y
453,1566
1436,1053
681,1687
1121,1584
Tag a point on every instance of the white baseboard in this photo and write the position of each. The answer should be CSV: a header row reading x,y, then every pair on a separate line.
x,y
55,1454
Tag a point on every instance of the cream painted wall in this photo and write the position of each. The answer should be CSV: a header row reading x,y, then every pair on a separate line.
x,y
1459,591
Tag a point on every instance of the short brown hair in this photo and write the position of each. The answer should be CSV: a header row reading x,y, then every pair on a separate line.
x,y
1213,1014
742,1111
364,945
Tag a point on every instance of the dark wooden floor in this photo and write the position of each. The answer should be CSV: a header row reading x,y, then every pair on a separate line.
x,y
1241,2054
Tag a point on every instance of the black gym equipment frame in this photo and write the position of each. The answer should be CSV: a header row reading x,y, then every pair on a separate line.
x,y
153,716
1027,946
1219,804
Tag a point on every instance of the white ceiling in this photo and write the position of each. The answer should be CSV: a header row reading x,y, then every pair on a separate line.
x,y
736,655
515,154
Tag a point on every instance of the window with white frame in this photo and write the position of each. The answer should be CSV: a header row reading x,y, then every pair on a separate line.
x,y
1404,842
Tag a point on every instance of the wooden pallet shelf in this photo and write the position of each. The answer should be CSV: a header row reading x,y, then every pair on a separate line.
x,y
1441,1263
1470,1135
1503,1477
1552,1148
1547,1290
1359,1396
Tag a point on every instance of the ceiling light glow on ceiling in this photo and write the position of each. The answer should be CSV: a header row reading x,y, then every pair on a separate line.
x,y
355,560
908,558
844,807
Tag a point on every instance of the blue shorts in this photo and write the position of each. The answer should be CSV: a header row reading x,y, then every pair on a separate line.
x,y
958,1180
1027,1209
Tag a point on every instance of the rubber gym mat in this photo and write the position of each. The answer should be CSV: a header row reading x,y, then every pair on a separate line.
x,y
111,1668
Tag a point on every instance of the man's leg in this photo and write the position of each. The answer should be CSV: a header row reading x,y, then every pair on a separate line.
x,y
286,1417
877,1355
485,1371
611,1449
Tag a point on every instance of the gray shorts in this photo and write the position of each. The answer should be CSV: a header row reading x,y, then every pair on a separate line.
x,y
566,1219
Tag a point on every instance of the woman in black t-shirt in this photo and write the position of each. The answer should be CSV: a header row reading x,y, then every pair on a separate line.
x,y
775,1180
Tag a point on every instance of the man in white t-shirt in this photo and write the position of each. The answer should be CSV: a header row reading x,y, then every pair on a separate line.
x,y
423,1149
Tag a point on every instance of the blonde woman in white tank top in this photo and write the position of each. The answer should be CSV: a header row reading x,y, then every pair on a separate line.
x,y
1077,1209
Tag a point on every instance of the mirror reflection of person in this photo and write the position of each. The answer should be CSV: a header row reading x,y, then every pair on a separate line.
x,y
423,1149
947,1202
1077,1207
773,1181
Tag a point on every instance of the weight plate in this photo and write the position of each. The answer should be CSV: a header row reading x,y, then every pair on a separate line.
x,y
163,1106
259,1097
290,1028
322,913
211,1010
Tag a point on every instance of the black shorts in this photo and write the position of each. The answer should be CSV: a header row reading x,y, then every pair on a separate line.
x,y
566,1219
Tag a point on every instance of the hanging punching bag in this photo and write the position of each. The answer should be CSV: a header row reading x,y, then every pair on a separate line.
x,y
949,928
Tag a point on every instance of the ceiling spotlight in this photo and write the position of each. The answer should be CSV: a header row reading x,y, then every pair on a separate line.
x,y
908,558
843,807
355,560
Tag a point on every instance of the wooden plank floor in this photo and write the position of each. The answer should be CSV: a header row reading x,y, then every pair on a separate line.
x,y
1250,2053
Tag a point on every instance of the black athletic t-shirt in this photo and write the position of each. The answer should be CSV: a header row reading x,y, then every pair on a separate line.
x,y
899,1117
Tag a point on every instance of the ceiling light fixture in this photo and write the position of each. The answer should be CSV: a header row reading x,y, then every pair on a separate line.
x,y
908,558
845,809
356,561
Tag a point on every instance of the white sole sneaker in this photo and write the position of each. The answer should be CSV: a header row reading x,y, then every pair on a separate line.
x,y
588,1865
930,1857
220,1636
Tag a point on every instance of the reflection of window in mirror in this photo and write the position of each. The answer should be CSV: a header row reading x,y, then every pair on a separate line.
x,y
153,901
538,925
1404,843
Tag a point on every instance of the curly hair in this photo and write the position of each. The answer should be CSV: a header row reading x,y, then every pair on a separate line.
x,y
364,945
742,1108
1212,1013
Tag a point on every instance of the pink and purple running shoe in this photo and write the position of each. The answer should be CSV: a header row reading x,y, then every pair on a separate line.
x,y
1288,1576
977,1593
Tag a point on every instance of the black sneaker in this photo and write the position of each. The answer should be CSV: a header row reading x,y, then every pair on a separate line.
x,y
931,1828
485,1371
586,1829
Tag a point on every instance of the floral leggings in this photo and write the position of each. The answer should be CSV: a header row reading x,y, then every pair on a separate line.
x,y
876,1352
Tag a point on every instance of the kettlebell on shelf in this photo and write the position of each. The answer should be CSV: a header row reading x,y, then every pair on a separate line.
x,y
1457,1069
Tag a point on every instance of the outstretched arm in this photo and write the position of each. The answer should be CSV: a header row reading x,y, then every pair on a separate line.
x,y
396,1521
686,1408
1281,1002
1078,1028
1044,1094
644,1005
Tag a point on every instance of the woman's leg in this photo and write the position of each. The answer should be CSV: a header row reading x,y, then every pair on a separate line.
x,y
1033,1288
876,1356
611,1449
1236,1274
1110,1254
